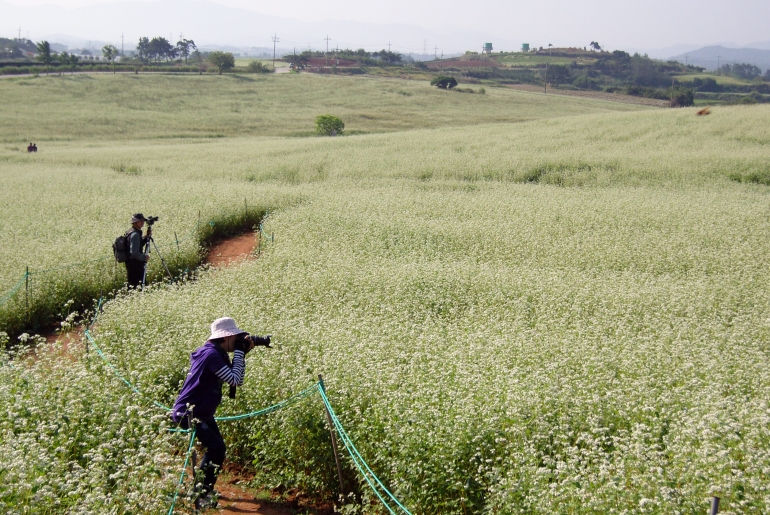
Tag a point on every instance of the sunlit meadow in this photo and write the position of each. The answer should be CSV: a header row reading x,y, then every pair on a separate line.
x,y
560,316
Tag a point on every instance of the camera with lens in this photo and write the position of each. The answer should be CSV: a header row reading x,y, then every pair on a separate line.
x,y
246,341
151,220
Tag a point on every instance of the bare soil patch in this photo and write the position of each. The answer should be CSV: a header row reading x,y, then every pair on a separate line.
x,y
232,250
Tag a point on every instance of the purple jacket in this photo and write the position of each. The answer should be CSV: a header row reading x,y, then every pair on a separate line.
x,y
202,390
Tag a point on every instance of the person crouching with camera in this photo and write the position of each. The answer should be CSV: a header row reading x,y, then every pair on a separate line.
x,y
201,394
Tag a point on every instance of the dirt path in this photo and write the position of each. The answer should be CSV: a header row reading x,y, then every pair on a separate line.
x,y
599,95
232,250
234,499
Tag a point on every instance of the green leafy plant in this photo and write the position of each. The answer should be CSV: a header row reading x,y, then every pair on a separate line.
x,y
258,67
442,82
328,125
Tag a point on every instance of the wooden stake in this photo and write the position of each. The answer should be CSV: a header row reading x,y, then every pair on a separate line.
x,y
334,438
26,292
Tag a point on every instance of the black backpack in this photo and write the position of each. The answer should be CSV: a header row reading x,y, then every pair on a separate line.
x,y
120,247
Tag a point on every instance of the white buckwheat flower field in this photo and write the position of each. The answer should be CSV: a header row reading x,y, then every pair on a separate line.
x,y
563,315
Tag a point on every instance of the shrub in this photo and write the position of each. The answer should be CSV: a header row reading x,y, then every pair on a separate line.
x,y
442,82
328,125
683,98
258,67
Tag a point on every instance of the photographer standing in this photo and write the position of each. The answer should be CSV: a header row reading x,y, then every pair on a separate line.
x,y
201,394
137,259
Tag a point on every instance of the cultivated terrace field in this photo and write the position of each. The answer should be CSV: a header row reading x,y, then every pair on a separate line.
x,y
520,303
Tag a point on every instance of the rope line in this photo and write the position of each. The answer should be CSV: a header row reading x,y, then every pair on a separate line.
x,y
371,478
13,290
359,460
181,475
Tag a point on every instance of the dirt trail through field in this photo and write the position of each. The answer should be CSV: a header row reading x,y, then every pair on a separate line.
x,y
232,250
599,95
234,499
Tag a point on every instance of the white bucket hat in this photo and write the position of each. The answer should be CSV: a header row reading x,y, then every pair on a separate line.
x,y
222,327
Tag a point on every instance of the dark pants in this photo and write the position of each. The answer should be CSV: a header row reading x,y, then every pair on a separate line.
x,y
135,270
209,436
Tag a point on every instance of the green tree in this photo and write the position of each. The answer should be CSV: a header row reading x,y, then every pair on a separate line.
x,y
183,47
559,74
328,125
73,61
222,60
442,82
143,49
44,54
110,53
160,48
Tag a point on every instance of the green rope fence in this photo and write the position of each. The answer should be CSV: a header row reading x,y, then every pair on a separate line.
x,y
383,494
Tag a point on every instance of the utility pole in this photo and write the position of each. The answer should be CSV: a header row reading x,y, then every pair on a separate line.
x,y
19,34
122,52
275,40
326,55
545,80
435,53
718,62
424,46
388,52
685,59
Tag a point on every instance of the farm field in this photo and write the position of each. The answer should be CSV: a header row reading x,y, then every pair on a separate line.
x,y
533,60
567,314
87,108
244,61
721,79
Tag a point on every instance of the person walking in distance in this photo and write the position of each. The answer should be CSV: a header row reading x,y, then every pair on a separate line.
x,y
201,394
137,259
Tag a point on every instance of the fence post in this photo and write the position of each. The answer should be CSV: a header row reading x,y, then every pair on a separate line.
x,y
177,241
334,438
26,292
714,505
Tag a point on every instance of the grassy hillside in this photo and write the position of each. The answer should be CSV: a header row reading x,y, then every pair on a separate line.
x,y
85,108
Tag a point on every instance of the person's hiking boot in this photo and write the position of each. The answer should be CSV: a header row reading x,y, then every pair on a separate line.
x,y
206,500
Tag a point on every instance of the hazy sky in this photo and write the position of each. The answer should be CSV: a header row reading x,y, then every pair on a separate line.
x,y
614,23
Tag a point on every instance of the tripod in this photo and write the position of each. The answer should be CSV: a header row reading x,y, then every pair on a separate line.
x,y
147,250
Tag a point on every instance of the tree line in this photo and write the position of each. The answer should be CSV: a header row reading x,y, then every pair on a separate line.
x,y
362,57
159,49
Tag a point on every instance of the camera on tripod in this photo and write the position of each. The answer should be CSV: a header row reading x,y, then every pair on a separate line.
x,y
151,220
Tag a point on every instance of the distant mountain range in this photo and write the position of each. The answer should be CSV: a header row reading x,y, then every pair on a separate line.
x,y
711,57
